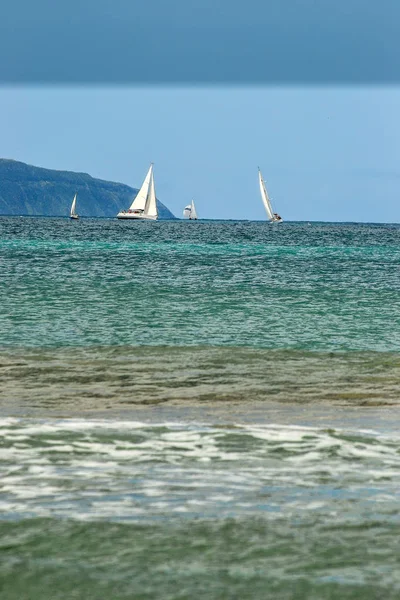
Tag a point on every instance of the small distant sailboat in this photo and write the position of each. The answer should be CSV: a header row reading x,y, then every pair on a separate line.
x,y
144,205
189,212
73,214
273,217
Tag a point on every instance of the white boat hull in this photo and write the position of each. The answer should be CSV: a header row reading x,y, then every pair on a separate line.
x,y
126,215
74,217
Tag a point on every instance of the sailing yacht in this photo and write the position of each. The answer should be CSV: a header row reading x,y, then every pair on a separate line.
x,y
189,212
73,214
144,205
273,217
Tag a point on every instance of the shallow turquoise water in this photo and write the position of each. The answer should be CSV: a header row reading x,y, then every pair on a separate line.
x,y
199,410
105,282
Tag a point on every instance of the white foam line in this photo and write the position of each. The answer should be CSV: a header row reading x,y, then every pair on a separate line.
x,y
182,429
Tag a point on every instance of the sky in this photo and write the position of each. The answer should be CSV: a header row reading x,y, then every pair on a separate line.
x,y
192,41
327,153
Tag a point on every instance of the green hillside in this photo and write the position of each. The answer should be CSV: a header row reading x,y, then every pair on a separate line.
x,y
28,190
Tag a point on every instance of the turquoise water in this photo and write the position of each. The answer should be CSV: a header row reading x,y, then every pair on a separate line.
x,y
105,282
199,410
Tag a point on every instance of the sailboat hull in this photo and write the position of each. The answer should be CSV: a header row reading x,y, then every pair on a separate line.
x,y
74,217
138,217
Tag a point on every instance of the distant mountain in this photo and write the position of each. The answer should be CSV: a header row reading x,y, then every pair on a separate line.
x,y
28,190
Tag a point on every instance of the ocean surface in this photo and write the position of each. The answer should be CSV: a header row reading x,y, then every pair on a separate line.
x,y
199,410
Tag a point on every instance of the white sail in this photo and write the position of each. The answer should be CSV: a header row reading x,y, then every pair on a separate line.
x,y
193,213
265,198
144,205
139,202
150,208
73,213
189,212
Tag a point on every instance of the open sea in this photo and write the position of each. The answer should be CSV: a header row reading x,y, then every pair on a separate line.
x,y
199,410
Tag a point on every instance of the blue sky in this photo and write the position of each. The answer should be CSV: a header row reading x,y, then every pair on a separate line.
x,y
192,41
327,153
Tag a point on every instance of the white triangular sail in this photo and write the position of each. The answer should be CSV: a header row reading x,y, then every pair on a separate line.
x,y
73,213
193,213
144,205
189,212
139,202
265,198
150,208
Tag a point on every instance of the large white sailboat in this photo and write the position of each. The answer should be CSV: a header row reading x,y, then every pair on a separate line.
x,y
73,214
144,205
189,212
273,217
